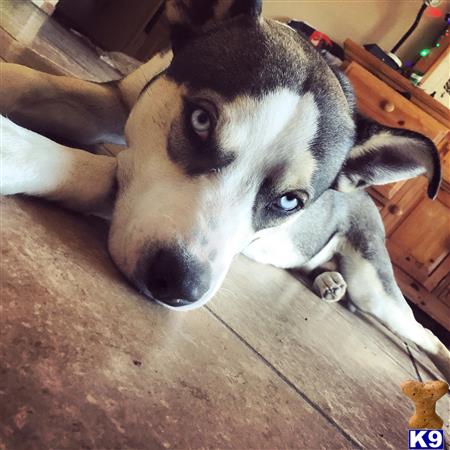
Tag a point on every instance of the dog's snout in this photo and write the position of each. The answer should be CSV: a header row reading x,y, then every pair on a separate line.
x,y
176,279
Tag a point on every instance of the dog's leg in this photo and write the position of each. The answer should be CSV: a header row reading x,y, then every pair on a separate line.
x,y
61,107
372,288
33,164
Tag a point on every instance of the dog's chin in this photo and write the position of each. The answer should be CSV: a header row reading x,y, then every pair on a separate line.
x,y
176,305
181,305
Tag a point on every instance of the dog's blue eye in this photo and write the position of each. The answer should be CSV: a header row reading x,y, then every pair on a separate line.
x,y
201,122
289,202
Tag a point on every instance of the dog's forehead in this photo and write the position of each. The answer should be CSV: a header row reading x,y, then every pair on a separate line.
x,y
243,56
294,95
264,118
271,133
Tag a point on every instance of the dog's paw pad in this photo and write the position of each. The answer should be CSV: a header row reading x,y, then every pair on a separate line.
x,y
330,286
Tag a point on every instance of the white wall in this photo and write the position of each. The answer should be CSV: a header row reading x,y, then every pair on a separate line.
x,y
365,21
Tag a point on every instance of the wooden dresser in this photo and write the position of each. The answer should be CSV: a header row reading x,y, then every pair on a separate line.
x,y
417,228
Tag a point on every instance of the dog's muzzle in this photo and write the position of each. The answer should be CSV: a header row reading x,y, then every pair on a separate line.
x,y
174,278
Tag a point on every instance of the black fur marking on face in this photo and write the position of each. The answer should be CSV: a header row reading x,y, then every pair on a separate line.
x,y
241,57
264,215
197,156
335,136
254,58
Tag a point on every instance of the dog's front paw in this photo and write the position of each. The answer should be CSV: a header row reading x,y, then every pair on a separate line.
x,y
330,286
15,157
28,161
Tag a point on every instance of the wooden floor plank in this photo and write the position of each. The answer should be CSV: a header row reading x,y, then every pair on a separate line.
x,y
86,361
347,367
35,32
14,52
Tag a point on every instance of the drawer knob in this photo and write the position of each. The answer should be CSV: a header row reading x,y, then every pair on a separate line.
x,y
395,210
388,106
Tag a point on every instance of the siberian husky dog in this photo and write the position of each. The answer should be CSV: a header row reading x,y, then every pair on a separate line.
x,y
240,140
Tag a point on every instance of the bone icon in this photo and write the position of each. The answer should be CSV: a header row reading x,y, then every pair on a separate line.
x,y
424,397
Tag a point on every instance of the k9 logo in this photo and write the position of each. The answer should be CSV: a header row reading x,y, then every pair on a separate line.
x,y
428,439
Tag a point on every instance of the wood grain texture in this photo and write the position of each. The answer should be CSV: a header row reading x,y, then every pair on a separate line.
x,y
420,250
31,33
436,305
86,361
274,318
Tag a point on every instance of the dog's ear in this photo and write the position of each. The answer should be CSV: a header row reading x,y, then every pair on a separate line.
x,y
188,18
384,155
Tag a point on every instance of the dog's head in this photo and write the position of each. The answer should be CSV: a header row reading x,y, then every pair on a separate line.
x,y
244,130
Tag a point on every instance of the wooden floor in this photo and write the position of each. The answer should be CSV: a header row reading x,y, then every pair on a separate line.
x,y
87,363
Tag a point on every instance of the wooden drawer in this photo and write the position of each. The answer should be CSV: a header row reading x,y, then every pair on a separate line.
x,y
389,190
385,105
445,159
401,205
435,307
420,245
442,292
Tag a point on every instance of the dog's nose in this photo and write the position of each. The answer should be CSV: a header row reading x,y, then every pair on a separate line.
x,y
175,278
